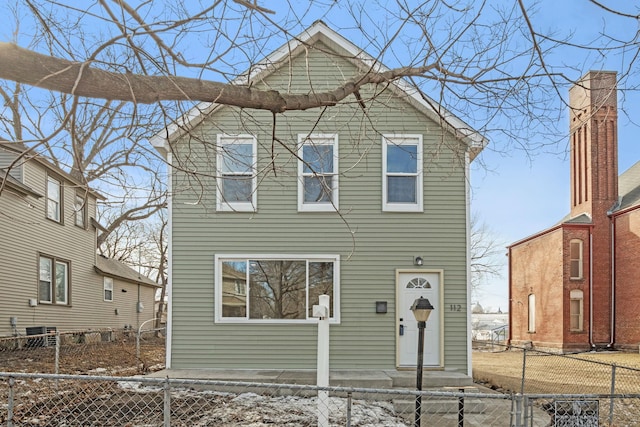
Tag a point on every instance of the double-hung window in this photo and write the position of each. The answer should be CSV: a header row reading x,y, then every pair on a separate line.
x,y
274,289
402,173
236,173
317,172
108,288
54,199
575,259
80,207
576,310
54,281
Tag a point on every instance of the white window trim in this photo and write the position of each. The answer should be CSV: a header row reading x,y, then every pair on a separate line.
x,y
243,257
531,313
58,211
106,288
318,139
221,204
403,139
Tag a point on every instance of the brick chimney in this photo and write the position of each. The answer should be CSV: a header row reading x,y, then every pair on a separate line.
x,y
593,104
594,183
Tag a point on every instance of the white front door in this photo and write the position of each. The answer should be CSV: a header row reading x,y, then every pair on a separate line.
x,y
413,285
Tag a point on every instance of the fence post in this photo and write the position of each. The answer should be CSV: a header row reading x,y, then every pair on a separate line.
x,y
518,415
138,347
167,403
56,368
349,409
12,382
613,390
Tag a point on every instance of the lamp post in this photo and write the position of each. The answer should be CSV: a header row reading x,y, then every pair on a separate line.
x,y
421,310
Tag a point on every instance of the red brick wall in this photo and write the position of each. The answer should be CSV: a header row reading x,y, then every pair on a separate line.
x,y
576,340
627,255
535,269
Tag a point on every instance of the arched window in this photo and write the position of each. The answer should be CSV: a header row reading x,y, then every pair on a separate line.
x,y
576,310
575,256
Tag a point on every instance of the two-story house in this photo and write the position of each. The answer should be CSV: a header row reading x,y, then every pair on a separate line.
x,y
50,273
366,201
573,286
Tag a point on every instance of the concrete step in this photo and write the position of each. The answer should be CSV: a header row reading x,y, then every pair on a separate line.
x,y
430,379
439,405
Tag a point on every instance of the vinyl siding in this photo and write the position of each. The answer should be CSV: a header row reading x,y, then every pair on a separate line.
x,y
26,233
372,244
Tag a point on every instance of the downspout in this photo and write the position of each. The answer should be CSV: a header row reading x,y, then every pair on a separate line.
x,y
593,346
510,298
613,279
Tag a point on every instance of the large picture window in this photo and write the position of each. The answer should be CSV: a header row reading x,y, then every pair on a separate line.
x,y
236,173
402,173
274,289
54,281
317,172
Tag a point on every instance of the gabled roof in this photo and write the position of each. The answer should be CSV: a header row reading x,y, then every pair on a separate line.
x,y
116,269
320,31
629,187
28,154
14,184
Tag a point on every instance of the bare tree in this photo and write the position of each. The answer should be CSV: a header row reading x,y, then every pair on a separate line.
x,y
489,64
487,256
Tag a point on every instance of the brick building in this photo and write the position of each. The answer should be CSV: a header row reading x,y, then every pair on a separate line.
x,y
576,285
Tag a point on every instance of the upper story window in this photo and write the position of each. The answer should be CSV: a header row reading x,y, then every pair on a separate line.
x,y
318,172
575,259
54,199
54,281
80,207
402,173
108,288
236,173
275,289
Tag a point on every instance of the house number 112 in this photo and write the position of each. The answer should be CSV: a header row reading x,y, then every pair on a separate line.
x,y
455,307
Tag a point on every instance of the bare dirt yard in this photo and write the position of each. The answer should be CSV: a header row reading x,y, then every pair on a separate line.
x,y
549,373
592,373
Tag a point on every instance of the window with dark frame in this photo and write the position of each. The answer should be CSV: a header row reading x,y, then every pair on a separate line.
x,y
53,287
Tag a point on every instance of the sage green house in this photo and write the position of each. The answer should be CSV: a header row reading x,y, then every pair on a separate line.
x,y
366,201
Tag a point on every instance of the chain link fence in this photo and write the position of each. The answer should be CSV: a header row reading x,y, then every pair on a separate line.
x,y
70,400
97,352
567,385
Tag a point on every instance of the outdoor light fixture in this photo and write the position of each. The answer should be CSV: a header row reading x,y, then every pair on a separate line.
x,y
421,308
418,260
